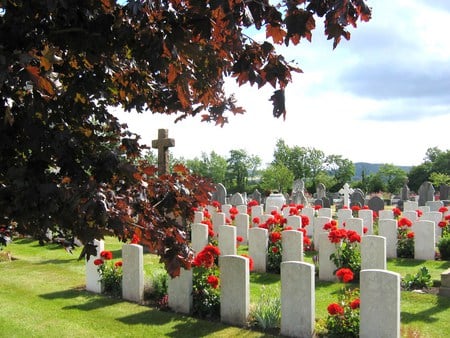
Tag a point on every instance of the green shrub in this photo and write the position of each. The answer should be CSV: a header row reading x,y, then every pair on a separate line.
x,y
422,279
444,248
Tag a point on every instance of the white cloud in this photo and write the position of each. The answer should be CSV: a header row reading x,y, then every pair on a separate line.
x,y
382,97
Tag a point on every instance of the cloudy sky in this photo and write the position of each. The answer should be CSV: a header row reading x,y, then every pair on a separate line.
x,y
381,97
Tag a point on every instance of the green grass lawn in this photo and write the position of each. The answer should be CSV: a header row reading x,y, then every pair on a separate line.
x,y
42,295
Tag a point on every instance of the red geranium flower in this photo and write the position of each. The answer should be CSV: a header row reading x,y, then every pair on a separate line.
x,y
306,241
288,228
135,239
419,212
410,235
275,236
233,211
404,222
353,236
256,220
442,224
118,264
335,309
317,207
305,220
336,235
213,281
98,261
345,275
356,208
443,209
239,239
275,249
396,211
252,203
355,304
107,255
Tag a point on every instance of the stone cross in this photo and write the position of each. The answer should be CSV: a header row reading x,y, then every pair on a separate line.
x,y
346,191
163,143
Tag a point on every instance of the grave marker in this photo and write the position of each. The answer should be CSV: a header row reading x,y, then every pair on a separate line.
x,y
162,144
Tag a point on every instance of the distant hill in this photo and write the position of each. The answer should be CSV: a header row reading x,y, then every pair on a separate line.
x,y
371,168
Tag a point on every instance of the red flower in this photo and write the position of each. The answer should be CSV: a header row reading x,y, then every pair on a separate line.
x,y
345,275
419,212
207,256
107,255
447,217
336,235
365,229
410,235
442,224
355,304
317,207
252,203
250,261
216,204
233,211
275,236
335,309
239,239
275,249
98,261
228,221
404,222
396,211
300,206
206,213
305,220
306,241
118,264
256,220
443,209
288,228
213,281
302,230
353,236
327,226
356,208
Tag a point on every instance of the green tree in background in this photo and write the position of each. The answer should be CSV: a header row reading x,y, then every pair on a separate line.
x,y
277,177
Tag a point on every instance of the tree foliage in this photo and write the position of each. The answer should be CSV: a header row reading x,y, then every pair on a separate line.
x,y
68,163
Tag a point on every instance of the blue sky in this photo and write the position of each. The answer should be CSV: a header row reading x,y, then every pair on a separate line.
x,y
381,97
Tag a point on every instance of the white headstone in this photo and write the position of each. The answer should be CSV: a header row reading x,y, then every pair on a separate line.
x,y
434,205
227,239
93,283
258,239
380,304
133,272
411,215
198,217
179,290
199,236
424,240
292,244
319,222
343,215
355,224
234,289
326,265
367,216
294,221
373,252
242,225
410,205
297,287
386,214
388,229
435,217
325,212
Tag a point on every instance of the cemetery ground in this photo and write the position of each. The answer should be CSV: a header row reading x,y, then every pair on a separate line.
x,y
42,292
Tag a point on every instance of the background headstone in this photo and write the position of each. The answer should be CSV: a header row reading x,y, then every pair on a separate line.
x,y
426,193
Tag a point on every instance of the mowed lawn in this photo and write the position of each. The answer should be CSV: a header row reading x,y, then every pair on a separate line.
x,y
42,295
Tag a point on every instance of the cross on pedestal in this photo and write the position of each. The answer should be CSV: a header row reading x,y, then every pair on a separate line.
x,y
163,143
346,191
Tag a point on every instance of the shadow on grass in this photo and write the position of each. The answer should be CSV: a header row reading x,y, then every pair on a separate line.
x,y
92,301
426,316
264,278
183,325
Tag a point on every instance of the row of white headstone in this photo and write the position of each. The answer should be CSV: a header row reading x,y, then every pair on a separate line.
x,y
379,293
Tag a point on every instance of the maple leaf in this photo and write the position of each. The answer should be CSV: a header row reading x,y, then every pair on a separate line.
x,y
276,32
42,83
278,102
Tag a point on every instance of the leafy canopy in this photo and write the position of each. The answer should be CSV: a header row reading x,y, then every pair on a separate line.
x,y
68,165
